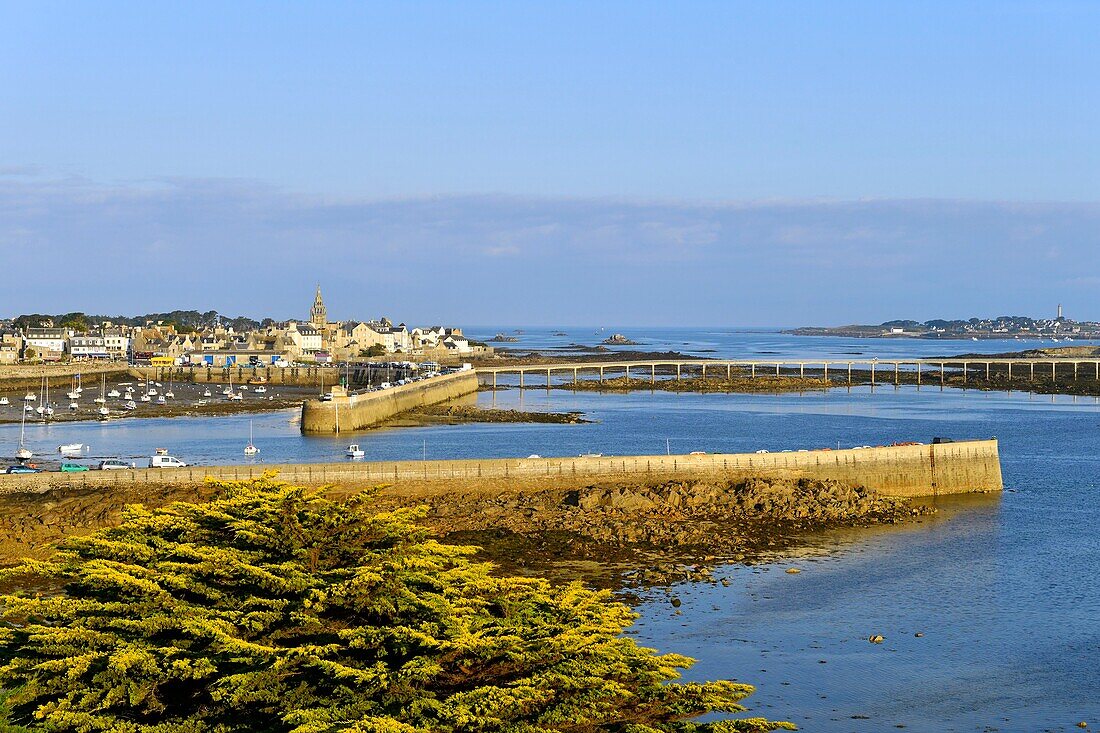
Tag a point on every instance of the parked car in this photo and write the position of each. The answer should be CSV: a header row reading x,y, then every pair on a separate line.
x,y
115,464
73,468
21,469
166,462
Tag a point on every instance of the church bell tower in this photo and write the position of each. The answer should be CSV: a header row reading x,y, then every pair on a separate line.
x,y
318,314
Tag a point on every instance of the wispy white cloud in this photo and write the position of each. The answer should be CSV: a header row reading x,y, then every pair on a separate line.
x,y
239,245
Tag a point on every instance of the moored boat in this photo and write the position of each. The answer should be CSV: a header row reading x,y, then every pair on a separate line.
x,y
250,449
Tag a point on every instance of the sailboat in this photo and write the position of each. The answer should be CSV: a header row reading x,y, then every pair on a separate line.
x,y
23,454
49,407
230,394
250,449
103,411
4,401
42,405
73,394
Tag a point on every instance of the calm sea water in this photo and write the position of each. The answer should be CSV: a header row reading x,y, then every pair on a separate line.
x,y
1001,587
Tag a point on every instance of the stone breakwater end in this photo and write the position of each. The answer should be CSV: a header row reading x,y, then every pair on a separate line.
x,y
367,409
901,471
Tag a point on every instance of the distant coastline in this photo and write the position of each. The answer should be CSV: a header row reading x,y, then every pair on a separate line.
x,y
877,332
1001,327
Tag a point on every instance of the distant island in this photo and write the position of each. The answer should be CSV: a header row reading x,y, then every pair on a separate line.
x,y
617,339
1001,327
501,338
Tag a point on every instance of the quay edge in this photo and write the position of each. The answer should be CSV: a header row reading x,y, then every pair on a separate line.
x,y
923,470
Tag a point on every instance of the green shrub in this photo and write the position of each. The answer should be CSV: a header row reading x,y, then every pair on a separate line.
x,y
272,608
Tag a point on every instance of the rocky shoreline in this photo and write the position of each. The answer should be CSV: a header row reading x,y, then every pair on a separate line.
x,y
698,384
624,535
451,414
813,380
621,535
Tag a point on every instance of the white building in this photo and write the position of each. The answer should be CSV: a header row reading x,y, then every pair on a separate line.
x,y
306,337
457,344
117,343
88,347
47,342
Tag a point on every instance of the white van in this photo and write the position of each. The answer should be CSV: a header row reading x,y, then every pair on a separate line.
x,y
166,462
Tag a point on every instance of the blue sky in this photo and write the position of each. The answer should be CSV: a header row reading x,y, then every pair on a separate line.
x,y
752,163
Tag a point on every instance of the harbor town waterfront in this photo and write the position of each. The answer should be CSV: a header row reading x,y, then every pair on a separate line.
x,y
695,367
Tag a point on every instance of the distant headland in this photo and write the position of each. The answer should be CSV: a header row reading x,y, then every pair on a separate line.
x,y
1001,327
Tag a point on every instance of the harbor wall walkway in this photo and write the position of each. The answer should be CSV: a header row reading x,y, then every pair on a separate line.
x,y
907,471
366,409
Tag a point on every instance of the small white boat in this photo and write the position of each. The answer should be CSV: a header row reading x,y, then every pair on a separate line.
x,y
103,411
161,400
260,390
250,449
74,395
72,449
30,397
227,391
40,409
152,392
27,408
145,398
74,406
99,400
236,397
49,411
158,384
169,394
206,392
354,451
114,393
23,453
4,401
130,405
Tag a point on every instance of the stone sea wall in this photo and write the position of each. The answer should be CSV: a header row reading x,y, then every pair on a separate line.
x,y
15,377
905,471
365,410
